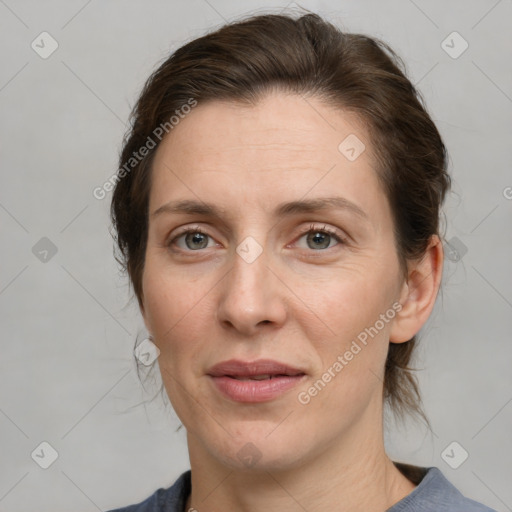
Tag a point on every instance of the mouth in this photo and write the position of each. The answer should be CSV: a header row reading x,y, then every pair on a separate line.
x,y
257,381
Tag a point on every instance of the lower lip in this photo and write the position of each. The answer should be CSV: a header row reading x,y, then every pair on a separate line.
x,y
255,390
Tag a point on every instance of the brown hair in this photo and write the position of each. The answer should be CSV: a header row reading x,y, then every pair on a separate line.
x,y
244,60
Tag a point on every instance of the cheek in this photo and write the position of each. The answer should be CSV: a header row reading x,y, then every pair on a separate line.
x,y
352,350
179,315
344,306
175,314
352,357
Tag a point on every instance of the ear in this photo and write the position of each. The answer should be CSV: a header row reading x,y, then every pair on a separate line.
x,y
418,294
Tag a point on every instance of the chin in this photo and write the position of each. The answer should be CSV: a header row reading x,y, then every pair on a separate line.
x,y
257,451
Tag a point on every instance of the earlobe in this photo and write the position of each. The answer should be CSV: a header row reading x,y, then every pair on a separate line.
x,y
418,294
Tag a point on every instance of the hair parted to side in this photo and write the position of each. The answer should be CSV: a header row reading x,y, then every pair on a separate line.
x,y
308,56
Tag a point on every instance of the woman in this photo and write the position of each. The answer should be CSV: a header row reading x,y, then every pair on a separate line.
x,y
277,210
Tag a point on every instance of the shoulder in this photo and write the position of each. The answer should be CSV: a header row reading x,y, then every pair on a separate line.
x,y
435,493
172,499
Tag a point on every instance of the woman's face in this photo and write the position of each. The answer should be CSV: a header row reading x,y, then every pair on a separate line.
x,y
275,273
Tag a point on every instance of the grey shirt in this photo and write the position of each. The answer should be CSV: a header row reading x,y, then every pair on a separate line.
x,y
434,493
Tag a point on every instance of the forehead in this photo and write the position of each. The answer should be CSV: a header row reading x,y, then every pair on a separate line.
x,y
284,145
278,121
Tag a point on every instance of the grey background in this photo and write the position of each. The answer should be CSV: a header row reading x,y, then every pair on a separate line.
x,y
67,371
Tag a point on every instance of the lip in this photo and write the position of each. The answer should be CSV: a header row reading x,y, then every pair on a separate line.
x,y
225,376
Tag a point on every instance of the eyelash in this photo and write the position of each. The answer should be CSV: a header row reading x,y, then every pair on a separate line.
x,y
312,228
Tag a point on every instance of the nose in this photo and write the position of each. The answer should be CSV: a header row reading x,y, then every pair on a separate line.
x,y
252,296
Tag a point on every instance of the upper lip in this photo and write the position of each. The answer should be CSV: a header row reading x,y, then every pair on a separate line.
x,y
238,368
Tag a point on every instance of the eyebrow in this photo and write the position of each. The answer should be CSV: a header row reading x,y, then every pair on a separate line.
x,y
193,207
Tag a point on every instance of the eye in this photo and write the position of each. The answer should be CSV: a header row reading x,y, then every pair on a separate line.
x,y
321,237
317,238
193,237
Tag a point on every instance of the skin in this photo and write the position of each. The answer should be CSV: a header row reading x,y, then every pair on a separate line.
x,y
295,303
